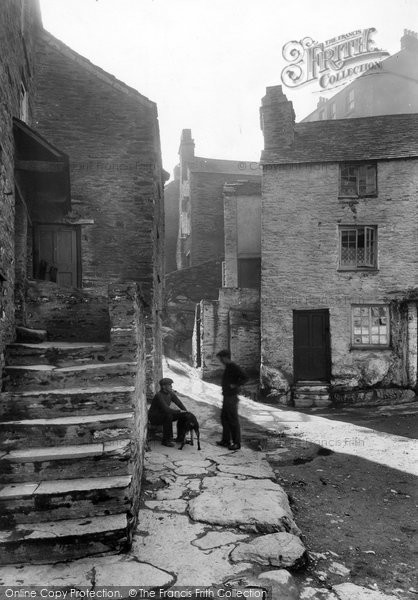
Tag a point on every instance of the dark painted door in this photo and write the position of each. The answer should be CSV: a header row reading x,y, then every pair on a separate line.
x,y
311,345
56,256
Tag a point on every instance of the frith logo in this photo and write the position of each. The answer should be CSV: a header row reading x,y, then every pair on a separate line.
x,y
333,62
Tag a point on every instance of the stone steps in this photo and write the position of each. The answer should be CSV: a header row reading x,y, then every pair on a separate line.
x,y
41,377
311,393
109,458
58,354
63,540
63,402
62,431
60,499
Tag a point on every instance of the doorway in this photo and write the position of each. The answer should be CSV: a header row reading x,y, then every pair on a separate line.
x,y
311,345
56,255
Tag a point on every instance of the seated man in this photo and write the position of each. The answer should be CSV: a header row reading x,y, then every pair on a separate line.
x,y
160,412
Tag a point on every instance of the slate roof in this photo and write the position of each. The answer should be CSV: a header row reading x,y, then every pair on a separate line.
x,y
365,138
215,165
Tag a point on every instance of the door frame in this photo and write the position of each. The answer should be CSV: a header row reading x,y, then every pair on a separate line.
x,y
324,311
35,240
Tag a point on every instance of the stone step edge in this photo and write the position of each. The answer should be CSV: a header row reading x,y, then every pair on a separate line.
x,y
73,420
105,389
54,487
58,345
52,369
75,452
66,528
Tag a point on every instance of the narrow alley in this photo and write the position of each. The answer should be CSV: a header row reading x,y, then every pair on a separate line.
x,y
214,518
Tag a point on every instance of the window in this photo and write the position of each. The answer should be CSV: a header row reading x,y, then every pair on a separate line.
x,y
370,325
350,101
358,180
332,111
358,247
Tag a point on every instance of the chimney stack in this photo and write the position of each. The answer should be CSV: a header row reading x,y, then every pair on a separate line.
x,y
186,152
409,40
277,119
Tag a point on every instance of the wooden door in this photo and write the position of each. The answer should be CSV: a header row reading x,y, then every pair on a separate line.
x,y
56,255
311,343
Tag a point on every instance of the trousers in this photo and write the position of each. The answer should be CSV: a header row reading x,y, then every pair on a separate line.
x,y
231,429
166,420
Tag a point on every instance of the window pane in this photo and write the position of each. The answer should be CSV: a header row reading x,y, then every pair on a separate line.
x,y
383,339
375,339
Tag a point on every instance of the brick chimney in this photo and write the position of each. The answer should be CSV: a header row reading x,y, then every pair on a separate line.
x,y
277,119
186,151
409,40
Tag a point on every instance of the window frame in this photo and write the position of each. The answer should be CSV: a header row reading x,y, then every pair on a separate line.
x,y
358,166
360,346
373,266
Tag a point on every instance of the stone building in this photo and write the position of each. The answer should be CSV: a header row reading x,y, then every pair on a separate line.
x,y
339,256
200,240
201,226
232,320
81,276
390,89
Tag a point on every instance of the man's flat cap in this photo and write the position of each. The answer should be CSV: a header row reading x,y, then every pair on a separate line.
x,y
165,381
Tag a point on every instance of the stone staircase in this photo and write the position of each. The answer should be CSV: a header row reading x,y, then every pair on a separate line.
x,y
307,394
66,442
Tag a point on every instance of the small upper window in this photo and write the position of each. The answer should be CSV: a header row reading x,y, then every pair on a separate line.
x,y
370,325
358,180
332,111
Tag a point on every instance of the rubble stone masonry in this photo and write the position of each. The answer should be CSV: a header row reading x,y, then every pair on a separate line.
x,y
19,25
110,133
300,260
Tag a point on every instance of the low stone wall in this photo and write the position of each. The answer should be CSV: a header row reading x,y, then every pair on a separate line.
x,y
184,289
230,322
127,342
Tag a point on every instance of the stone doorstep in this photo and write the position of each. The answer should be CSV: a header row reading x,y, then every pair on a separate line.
x,y
63,540
51,403
61,431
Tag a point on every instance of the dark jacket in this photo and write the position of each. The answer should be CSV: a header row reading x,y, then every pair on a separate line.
x,y
160,405
232,376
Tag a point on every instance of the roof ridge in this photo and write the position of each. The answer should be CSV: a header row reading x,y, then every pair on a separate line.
x,y
95,69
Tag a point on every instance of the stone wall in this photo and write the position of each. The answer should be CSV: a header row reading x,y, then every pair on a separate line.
x,y
19,25
67,314
110,133
230,322
184,289
301,272
127,343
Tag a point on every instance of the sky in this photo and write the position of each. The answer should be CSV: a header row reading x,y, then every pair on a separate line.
x,y
206,63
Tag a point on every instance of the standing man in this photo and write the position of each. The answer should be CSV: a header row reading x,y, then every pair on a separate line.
x,y
233,377
160,412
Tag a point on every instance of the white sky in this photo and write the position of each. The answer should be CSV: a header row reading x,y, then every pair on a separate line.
x,y
207,62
